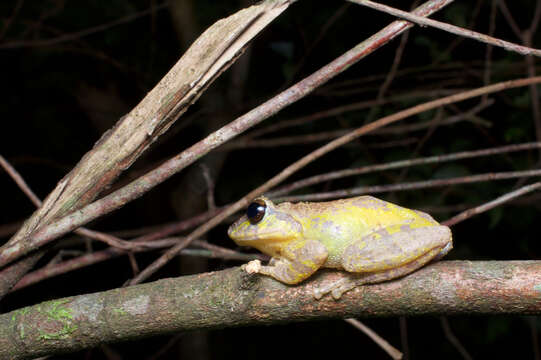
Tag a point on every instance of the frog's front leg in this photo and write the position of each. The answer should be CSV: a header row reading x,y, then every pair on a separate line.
x,y
383,256
298,260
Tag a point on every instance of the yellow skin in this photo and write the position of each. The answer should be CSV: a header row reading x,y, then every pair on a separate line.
x,y
376,239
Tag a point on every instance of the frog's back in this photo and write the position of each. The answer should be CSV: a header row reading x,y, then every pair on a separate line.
x,y
339,223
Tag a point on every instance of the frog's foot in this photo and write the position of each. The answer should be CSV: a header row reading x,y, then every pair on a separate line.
x,y
336,289
253,267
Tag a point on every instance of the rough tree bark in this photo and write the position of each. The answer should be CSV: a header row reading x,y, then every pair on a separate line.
x,y
233,298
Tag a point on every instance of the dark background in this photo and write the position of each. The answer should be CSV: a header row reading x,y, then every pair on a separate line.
x,y
59,97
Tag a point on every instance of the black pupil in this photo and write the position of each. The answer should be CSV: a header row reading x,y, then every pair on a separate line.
x,y
255,212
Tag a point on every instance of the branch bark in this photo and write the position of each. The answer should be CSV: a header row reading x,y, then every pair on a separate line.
x,y
233,298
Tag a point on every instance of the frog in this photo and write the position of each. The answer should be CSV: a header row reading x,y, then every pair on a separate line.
x,y
373,239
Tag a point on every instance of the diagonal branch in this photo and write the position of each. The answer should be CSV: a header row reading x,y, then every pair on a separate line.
x,y
523,50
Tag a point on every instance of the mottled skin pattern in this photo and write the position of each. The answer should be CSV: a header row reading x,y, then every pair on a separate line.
x,y
374,238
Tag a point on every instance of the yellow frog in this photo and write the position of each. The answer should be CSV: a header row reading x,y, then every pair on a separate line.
x,y
376,239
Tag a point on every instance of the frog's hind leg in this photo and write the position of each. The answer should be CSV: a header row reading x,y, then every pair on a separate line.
x,y
337,289
381,251
382,256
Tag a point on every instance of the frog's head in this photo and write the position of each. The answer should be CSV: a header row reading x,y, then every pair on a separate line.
x,y
264,224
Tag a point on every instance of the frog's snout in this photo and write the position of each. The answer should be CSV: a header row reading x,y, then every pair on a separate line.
x,y
234,231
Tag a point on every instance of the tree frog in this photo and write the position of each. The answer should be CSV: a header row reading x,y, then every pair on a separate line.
x,y
373,238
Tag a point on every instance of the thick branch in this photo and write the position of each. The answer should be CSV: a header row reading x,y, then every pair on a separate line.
x,y
233,298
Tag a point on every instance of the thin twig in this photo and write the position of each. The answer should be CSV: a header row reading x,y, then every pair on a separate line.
x,y
535,337
510,20
9,20
106,238
92,258
403,322
82,33
381,342
394,67
445,55
209,181
488,54
449,120
434,124
534,94
453,339
210,251
323,31
491,204
523,50
411,185
246,142
337,110
400,164
14,174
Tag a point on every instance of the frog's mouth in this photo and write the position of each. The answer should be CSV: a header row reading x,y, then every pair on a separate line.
x,y
246,239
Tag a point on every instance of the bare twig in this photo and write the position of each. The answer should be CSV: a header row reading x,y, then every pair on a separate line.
x,y
488,54
403,322
453,339
246,141
54,269
108,239
400,164
411,185
337,110
523,50
491,204
210,187
510,20
532,323
79,34
442,55
211,251
9,20
14,174
324,29
381,342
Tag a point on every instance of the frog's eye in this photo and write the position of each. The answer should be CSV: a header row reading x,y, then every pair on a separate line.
x,y
256,211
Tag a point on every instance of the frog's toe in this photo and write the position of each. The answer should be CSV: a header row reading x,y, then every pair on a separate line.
x,y
323,290
336,289
318,294
343,287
